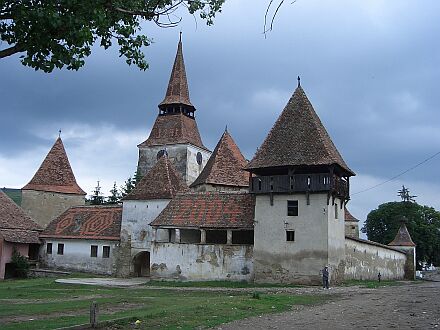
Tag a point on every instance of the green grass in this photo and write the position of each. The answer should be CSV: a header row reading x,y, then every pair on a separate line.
x,y
370,284
54,305
217,284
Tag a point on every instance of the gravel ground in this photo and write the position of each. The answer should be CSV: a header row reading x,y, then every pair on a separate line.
x,y
409,306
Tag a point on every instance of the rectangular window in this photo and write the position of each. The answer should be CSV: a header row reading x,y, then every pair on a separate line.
x,y
292,208
336,210
290,235
60,250
94,251
49,248
106,251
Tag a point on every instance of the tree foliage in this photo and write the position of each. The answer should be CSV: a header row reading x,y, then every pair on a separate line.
x,y
60,33
20,263
423,223
97,198
115,195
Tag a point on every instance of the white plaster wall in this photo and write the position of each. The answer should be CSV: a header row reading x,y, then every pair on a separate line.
x,y
364,261
77,256
193,169
136,217
199,262
336,241
277,260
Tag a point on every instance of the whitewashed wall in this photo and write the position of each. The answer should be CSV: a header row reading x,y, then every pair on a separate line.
x,y
201,262
77,256
365,260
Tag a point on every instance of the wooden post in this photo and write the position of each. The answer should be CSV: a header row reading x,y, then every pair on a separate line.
x,y
94,312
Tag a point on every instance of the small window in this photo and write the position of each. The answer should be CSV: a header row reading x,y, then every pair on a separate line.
x,y
106,251
290,235
49,248
94,251
199,158
336,210
292,208
161,153
60,250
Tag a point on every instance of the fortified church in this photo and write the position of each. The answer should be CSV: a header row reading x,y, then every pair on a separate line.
x,y
201,215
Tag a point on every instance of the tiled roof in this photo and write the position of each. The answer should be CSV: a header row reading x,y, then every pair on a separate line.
x,y
177,91
225,166
174,129
161,182
209,210
55,173
403,238
86,222
298,138
13,217
20,236
349,216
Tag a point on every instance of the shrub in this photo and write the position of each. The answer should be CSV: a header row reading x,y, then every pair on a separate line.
x,y
20,263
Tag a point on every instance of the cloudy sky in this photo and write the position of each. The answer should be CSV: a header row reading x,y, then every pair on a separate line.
x,y
370,68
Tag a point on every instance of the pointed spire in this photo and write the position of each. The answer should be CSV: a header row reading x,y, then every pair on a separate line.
x,y
225,166
403,238
55,173
161,182
299,81
177,91
298,138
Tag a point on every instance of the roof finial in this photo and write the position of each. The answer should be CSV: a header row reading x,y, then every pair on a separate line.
x,y
226,128
180,36
59,133
299,81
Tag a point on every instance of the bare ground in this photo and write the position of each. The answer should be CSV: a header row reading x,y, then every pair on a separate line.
x,y
409,306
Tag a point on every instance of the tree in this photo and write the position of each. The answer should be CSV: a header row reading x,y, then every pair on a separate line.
x,y
97,198
60,33
137,176
128,186
115,196
423,223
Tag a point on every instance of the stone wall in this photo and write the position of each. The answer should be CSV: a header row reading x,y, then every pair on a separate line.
x,y
352,229
201,262
77,256
365,259
45,206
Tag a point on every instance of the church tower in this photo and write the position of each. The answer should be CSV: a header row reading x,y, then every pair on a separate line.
x,y
53,189
175,131
301,185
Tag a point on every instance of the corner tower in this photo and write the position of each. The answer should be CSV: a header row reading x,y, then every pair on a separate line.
x,y
53,189
301,185
175,130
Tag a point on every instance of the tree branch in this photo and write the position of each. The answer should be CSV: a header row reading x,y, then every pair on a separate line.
x,y
11,51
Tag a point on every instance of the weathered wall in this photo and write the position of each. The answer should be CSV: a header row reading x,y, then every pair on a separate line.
x,y
352,229
200,262
182,156
44,206
364,260
6,249
281,261
77,256
336,241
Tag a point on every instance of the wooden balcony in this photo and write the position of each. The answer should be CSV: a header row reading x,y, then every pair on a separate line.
x,y
311,183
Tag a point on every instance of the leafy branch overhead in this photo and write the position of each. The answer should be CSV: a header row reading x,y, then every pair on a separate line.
x,y
53,34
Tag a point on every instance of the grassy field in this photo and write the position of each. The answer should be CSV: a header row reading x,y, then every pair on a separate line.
x,y
44,304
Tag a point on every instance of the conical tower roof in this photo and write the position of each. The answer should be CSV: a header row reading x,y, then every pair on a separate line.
x,y
161,182
225,166
403,238
298,138
55,173
349,216
177,91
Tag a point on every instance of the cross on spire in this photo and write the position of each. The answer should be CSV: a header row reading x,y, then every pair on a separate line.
x,y
299,81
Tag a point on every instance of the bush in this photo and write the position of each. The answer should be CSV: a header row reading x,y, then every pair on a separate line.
x,y
20,263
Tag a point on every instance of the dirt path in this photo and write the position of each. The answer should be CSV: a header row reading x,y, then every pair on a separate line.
x,y
410,306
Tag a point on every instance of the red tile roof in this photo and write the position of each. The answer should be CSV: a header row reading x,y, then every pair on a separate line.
x,y
225,166
298,138
13,217
86,222
349,216
55,173
161,182
403,238
15,224
209,210
177,91
174,129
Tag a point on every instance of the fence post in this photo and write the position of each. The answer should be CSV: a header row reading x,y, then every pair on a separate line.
x,y
94,311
